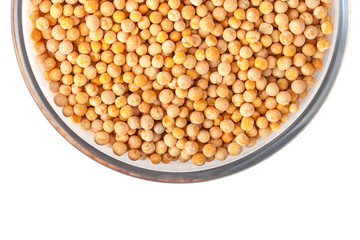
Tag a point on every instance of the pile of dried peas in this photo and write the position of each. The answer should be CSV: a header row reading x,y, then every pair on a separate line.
x,y
178,80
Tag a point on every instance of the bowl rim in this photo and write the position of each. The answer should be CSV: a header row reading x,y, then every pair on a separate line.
x,y
182,177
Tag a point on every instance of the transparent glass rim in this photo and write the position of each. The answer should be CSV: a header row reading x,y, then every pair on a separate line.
x,y
178,177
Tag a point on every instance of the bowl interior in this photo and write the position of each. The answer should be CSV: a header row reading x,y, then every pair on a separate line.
x,y
174,167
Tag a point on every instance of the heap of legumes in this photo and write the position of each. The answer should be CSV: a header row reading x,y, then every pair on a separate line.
x,y
178,80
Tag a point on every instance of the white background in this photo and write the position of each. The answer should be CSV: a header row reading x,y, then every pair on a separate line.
x,y
308,190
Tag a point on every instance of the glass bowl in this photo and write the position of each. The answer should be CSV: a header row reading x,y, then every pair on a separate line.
x,y
177,171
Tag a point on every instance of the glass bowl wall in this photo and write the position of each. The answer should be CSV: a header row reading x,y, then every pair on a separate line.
x,y
176,171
